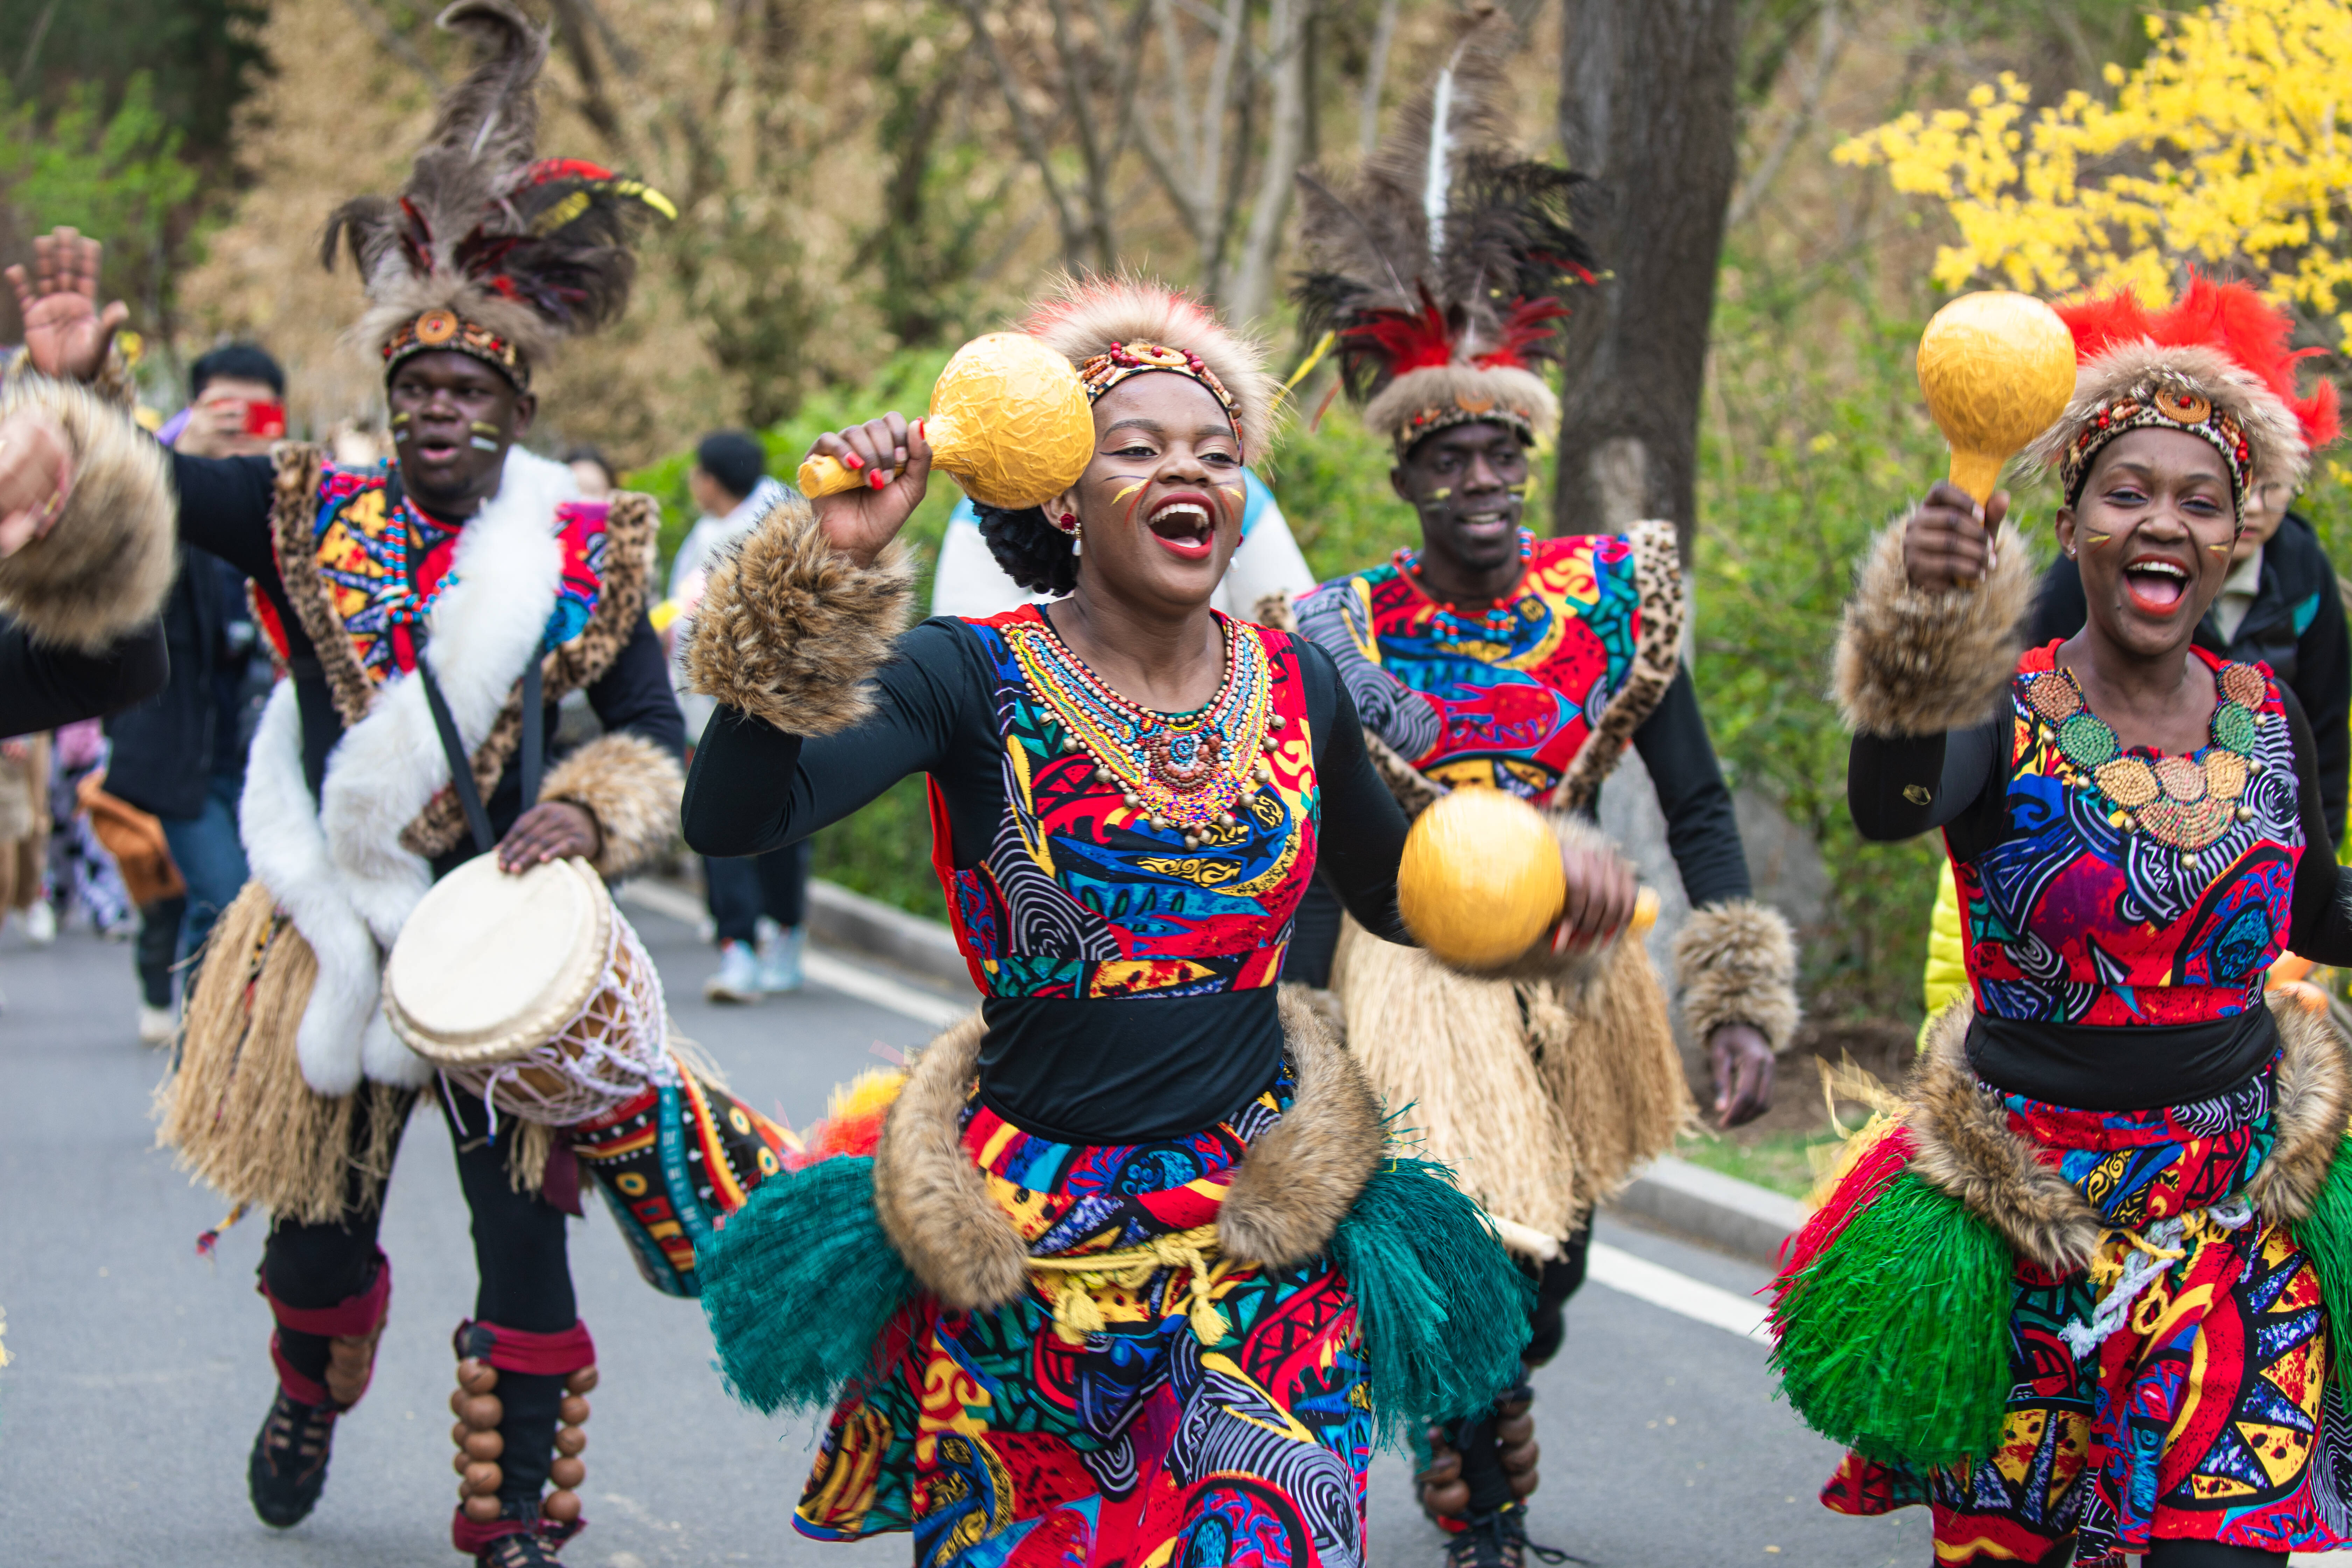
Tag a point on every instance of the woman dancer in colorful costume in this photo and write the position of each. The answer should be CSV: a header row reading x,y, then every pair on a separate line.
x,y
1141,1241
1489,658
290,1091
2077,1297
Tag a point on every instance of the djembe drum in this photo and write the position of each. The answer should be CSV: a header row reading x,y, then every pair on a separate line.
x,y
534,993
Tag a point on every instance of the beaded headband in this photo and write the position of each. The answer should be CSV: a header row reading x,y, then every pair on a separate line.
x,y
444,331
1120,361
1439,416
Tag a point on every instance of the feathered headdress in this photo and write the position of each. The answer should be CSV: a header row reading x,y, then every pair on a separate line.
x,y
488,251
1113,328
1435,273
2213,364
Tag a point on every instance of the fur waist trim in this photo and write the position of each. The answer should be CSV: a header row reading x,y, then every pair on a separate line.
x,y
1287,1198
1963,1144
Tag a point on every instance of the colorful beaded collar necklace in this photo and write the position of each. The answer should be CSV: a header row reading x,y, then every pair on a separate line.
x,y
418,537
1499,615
1184,773
2183,802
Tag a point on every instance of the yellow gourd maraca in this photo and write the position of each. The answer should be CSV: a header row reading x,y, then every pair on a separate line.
x,y
1009,420
1480,880
1997,369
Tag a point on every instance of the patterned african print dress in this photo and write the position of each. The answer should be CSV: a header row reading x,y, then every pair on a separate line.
x,y
2178,1389
1199,1411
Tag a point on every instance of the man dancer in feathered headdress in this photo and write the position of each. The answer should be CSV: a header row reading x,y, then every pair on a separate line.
x,y
486,261
1490,659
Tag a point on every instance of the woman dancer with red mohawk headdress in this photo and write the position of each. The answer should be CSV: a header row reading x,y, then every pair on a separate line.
x,y
2079,1298
1489,658
379,766
1120,1282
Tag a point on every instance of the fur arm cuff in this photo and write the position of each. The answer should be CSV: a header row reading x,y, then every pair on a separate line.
x,y
1911,662
1736,961
631,787
107,563
790,629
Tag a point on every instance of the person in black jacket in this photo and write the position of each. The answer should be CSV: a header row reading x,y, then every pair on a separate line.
x,y
43,685
181,756
2279,606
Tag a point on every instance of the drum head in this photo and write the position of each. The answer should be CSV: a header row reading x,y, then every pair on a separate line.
x,y
491,965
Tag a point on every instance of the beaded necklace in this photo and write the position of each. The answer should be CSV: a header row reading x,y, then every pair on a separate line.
x,y
2183,802
1500,613
407,608
1181,773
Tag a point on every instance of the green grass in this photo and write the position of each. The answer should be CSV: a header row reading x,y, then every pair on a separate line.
x,y
1779,1161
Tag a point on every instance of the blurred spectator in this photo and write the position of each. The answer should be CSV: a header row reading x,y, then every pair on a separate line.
x,y
597,478
731,484
25,836
237,406
179,756
82,875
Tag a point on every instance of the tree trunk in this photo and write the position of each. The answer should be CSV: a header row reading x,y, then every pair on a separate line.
x,y
1649,110
1287,25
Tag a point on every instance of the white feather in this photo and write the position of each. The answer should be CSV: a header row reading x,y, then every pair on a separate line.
x,y
1437,189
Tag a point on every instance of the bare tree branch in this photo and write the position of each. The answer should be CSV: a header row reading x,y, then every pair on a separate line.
x,y
1077,77
1829,45
1032,146
1376,74
595,104
390,38
1285,145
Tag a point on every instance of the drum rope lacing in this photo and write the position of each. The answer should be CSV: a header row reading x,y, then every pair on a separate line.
x,y
609,1050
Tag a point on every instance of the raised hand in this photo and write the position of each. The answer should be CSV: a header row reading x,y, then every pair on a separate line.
x,y
1948,540
65,334
895,462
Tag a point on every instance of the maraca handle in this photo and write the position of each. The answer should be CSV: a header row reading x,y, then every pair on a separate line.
x,y
1978,473
1645,911
824,476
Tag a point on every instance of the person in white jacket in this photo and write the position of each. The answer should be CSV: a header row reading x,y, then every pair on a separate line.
x,y
971,583
731,484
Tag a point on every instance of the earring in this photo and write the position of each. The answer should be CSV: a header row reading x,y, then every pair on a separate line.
x,y
1077,544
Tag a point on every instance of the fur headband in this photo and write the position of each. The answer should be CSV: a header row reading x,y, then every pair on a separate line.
x,y
1085,320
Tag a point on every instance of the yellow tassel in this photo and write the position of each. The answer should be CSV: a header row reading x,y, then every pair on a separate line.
x,y
1305,366
1209,1325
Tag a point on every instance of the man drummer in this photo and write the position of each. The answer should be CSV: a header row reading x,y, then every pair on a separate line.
x,y
438,606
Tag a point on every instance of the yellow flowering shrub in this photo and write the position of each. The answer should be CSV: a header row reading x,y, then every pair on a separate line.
x,y
2223,149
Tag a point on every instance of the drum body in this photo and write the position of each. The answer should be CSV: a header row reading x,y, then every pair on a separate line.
x,y
534,993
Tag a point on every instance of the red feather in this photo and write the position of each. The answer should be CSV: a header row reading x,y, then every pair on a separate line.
x,y
2230,317
548,169
1528,323
1407,340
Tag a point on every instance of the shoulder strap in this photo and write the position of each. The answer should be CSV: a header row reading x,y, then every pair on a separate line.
x,y
453,747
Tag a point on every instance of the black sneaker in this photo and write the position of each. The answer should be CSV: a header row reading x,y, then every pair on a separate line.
x,y
1498,1540
289,1468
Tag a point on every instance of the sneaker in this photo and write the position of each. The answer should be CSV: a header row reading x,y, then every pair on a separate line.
x,y
157,1024
289,1468
40,923
738,979
531,1550
780,961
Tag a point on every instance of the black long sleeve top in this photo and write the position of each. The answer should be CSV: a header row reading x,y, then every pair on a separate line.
x,y
43,686
1100,1070
225,508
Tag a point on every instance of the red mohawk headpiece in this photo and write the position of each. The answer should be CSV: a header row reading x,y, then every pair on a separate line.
x,y
2214,363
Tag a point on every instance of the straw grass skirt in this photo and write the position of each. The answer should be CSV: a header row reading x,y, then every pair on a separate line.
x,y
237,1110
1544,1098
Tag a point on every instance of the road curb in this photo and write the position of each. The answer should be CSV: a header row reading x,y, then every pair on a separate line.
x,y
839,918
1706,1205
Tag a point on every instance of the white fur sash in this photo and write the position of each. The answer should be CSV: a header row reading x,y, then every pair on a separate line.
x,y
337,866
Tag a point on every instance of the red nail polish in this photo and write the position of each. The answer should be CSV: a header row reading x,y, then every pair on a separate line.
x,y
875,479
851,461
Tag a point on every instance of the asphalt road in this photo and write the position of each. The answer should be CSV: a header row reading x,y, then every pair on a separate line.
x,y
141,1371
